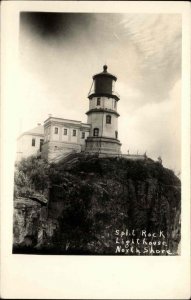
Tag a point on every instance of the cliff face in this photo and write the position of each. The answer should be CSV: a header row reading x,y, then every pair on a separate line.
x,y
31,225
103,206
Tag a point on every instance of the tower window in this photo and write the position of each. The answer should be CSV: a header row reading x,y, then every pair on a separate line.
x,y
96,132
114,104
33,142
74,132
98,101
108,119
116,134
83,135
56,130
65,131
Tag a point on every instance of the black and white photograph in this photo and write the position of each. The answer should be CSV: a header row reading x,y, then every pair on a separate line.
x,y
100,171
97,109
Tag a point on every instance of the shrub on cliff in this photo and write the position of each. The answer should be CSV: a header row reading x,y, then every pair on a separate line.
x,y
31,174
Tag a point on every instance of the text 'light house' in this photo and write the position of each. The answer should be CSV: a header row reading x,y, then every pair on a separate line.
x,y
103,115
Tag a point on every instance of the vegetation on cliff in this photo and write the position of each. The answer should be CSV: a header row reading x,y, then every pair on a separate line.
x,y
93,200
31,175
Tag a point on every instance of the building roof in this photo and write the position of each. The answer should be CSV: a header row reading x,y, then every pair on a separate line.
x,y
38,130
61,120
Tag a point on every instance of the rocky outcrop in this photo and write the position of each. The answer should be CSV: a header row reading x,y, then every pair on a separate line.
x,y
32,227
103,206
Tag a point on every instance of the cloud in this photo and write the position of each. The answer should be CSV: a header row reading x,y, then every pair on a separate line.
x,y
156,43
143,50
156,128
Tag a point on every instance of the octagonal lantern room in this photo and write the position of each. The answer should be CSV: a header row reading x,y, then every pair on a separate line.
x,y
104,85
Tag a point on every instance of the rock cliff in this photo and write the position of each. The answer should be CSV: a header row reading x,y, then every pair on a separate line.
x,y
102,206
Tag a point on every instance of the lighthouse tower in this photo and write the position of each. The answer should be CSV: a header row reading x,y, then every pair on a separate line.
x,y
103,115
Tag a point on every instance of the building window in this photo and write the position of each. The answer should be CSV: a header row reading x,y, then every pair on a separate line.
x,y
98,101
115,104
41,143
83,135
108,119
96,132
74,132
56,130
116,134
65,131
33,142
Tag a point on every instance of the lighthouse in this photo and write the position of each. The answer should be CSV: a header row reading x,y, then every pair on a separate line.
x,y
102,115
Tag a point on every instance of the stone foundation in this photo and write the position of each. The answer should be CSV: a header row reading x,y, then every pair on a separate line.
x,y
103,145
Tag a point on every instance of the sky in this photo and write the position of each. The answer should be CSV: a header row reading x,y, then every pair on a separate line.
x,y
60,52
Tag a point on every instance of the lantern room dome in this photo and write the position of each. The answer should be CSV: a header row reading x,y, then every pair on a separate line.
x,y
105,74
